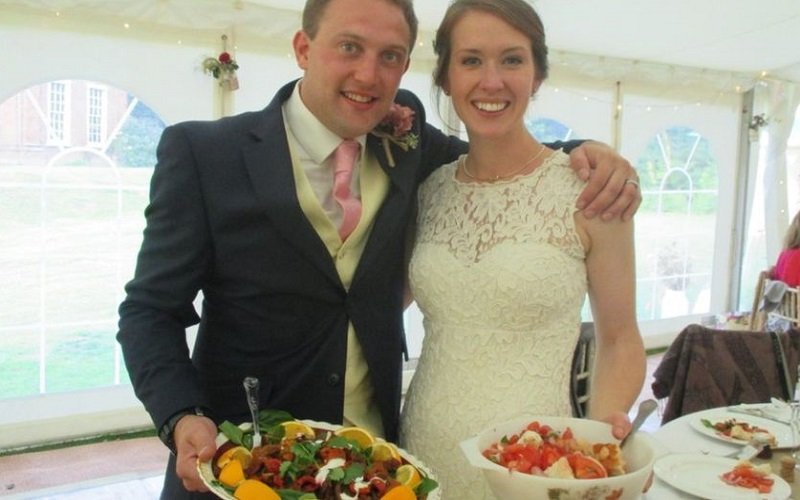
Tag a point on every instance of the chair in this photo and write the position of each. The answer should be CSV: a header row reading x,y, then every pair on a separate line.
x,y
580,378
773,299
789,307
757,317
708,368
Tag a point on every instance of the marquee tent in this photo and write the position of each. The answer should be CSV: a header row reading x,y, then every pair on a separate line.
x,y
701,97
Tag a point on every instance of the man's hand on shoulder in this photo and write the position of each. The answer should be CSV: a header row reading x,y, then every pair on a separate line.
x,y
613,184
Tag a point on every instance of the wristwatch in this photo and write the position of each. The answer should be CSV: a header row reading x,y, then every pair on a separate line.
x,y
167,431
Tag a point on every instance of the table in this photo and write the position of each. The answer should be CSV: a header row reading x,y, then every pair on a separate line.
x,y
677,436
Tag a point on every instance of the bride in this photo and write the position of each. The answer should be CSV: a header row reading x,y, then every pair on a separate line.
x,y
503,260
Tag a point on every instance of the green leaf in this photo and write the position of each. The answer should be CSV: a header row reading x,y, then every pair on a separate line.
x,y
271,418
426,486
336,474
707,423
289,470
305,453
353,472
296,495
270,423
232,432
340,442
222,485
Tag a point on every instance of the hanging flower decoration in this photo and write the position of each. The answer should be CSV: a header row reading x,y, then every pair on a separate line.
x,y
758,121
223,68
395,128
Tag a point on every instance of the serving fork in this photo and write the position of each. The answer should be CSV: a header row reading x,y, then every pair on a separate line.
x,y
251,390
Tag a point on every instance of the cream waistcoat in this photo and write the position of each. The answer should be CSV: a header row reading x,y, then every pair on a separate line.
x,y
359,406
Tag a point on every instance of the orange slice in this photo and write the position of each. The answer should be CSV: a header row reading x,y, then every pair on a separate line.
x,y
252,489
357,434
232,474
408,475
383,451
400,492
239,453
294,428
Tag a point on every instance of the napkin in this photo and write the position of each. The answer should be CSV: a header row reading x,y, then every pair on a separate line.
x,y
776,410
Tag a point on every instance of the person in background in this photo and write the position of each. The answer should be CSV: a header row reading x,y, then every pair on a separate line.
x,y
787,268
292,223
503,260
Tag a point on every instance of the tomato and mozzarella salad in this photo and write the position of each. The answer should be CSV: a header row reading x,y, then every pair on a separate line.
x,y
540,450
746,475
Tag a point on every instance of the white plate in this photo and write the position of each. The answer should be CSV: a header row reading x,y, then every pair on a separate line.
x,y
700,475
782,432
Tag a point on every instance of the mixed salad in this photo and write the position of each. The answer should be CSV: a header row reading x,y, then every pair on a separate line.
x,y
541,450
296,461
739,430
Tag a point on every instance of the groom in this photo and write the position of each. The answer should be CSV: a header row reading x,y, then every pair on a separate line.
x,y
241,209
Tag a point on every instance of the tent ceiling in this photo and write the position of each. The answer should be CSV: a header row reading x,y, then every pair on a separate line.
x,y
740,36
744,36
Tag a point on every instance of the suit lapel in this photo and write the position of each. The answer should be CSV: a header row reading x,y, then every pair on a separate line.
x,y
269,164
401,176
393,214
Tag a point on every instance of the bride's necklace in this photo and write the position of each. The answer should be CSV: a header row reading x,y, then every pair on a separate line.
x,y
505,176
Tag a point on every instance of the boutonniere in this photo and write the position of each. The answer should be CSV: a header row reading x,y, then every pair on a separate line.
x,y
395,128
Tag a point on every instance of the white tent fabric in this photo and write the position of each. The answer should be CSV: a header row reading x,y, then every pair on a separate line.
x,y
729,43
612,62
783,99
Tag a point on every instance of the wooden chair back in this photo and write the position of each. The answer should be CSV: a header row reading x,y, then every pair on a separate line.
x,y
757,316
788,308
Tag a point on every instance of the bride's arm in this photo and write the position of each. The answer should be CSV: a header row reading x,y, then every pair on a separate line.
x,y
620,361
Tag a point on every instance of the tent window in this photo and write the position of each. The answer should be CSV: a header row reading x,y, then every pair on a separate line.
x,y
678,175
71,217
549,130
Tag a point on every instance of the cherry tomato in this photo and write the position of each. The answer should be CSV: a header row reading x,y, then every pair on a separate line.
x,y
586,467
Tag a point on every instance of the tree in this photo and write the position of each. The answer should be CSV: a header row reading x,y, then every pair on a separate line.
x,y
135,144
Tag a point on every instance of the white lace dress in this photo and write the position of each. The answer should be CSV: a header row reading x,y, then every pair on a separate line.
x,y
498,272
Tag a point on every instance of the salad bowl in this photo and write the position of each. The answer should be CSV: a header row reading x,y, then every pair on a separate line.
x,y
638,457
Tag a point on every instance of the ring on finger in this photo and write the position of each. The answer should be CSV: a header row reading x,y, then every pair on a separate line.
x,y
632,181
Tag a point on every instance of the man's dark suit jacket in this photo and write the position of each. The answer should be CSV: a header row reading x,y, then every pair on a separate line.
x,y
224,218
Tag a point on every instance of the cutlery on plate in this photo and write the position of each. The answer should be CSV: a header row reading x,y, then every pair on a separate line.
x,y
755,411
646,407
752,448
251,390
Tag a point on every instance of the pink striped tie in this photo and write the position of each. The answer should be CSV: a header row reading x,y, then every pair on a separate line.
x,y
344,160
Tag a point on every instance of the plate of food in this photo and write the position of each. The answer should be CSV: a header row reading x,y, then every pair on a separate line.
x,y
739,429
310,460
721,478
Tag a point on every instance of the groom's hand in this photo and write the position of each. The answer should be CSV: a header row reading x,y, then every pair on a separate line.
x,y
613,184
195,439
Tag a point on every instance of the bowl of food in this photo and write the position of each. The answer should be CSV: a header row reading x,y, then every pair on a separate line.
x,y
541,457
310,460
